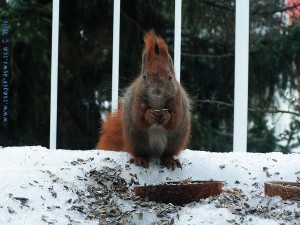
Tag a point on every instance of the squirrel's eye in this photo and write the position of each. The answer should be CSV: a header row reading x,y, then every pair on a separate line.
x,y
170,77
144,76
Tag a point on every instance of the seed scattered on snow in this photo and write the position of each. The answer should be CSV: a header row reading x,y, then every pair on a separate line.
x,y
53,193
108,198
222,166
47,220
23,201
111,201
10,210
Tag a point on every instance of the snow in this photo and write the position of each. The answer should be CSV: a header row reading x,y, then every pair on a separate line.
x,y
38,185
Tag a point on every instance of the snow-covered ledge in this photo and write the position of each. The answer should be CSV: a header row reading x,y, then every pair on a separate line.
x,y
40,186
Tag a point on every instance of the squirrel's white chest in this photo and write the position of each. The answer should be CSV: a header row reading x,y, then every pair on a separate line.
x,y
157,137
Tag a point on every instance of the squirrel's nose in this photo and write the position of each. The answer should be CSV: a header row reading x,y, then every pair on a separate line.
x,y
156,93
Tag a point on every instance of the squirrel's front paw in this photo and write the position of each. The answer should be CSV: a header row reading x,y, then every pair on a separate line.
x,y
151,116
140,161
164,117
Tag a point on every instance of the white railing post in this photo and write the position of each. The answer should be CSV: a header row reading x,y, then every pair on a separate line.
x,y
54,69
177,38
115,65
241,76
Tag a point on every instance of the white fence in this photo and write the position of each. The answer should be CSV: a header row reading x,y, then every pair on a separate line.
x,y
54,69
241,67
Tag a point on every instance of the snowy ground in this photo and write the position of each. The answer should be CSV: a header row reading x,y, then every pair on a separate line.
x,y
41,186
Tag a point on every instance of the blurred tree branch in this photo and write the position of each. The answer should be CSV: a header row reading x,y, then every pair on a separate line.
x,y
255,11
272,110
283,9
207,55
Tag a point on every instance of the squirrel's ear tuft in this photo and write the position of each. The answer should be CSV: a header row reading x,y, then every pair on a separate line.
x,y
155,46
150,41
163,48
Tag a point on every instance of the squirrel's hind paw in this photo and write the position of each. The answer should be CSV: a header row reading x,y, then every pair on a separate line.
x,y
140,161
170,162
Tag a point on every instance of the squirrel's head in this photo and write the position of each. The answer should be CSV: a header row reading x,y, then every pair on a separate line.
x,y
157,74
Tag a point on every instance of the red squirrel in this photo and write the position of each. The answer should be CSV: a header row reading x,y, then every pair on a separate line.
x,y
153,119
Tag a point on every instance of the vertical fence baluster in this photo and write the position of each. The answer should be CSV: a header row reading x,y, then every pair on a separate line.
x,y
54,70
115,65
177,38
241,76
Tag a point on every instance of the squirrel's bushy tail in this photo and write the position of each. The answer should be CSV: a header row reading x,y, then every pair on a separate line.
x,y
111,134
